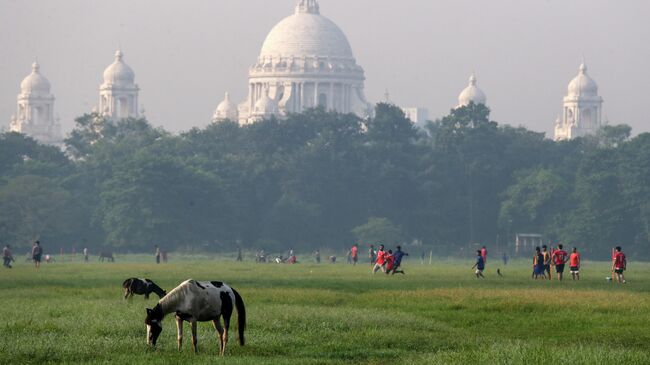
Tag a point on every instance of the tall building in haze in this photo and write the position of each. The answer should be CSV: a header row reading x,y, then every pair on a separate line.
x,y
582,114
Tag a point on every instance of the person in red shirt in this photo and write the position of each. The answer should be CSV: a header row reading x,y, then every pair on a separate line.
x,y
484,254
559,257
574,264
354,251
619,265
381,260
390,261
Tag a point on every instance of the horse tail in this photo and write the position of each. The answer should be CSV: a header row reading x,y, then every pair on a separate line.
x,y
127,283
241,316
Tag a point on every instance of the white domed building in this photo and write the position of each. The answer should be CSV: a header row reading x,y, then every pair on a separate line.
x,y
226,110
306,61
582,113
35,110
118,94
471,94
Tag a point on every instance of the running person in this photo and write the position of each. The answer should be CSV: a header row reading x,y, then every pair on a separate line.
x,y
37,253
574,264
398,255
619,265
354,251
390,261
559,258
479,265
484,254
381,260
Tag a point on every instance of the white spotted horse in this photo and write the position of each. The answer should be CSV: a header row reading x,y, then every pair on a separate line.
x,y
198,301
141,287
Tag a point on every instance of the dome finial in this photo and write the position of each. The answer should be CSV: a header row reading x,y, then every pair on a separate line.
x,y
472,79
227,98
35,66
307,7
583,66
119,54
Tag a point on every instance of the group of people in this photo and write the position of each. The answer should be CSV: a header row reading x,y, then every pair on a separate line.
x,y
544,259
388,262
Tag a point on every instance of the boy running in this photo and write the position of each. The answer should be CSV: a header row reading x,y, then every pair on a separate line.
x,y
355,254
479,265
619,265
574,264
390,261
559,257
398,255
381,260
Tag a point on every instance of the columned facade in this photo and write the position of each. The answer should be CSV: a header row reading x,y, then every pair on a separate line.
x,y
582,109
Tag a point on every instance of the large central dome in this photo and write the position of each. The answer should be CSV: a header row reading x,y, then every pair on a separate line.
x,y
306,34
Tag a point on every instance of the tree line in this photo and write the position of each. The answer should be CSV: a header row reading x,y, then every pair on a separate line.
x,y
322,179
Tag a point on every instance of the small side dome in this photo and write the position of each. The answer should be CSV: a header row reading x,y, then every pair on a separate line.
x,y
266,107
119,73
35,83
226,110
583,85
471,94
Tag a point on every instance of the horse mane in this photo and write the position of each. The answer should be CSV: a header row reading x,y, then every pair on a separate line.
x,y
174,297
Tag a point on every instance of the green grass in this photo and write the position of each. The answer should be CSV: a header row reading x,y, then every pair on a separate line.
x,y
73,313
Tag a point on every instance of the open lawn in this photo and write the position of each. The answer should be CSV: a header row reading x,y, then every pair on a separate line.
x,y
332,314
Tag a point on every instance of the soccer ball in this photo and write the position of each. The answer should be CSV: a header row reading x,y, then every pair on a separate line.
x,y
608,278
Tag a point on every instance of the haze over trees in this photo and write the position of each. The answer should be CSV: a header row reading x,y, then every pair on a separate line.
x,y
322,179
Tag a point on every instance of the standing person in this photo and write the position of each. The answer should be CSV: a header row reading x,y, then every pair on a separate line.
x,y
317,256
85,254
157,254
381,260
547,261
619,265
240,257
574,264
505,259
484,254
559,258
538,264
479,265
397,260
349,257
354,251
37,252
7,256
372,255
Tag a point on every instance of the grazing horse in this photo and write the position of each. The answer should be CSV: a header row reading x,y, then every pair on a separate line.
x,y
141,287
198,301
108,255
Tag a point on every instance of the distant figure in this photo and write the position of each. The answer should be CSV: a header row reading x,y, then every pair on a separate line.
x,y
49,259
240,257
499,273
317,256
292,259
354,252
619,265
484,254
422,258
559,258
348,257
74,253
505,259
538,264
332,259
398,255
85,254
390,261
547,262
479,265
157,254
163,253
106,255
7,257
381,260
37,252
372,255
574,264
141,287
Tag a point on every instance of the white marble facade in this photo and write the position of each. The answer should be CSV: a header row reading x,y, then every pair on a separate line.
x,y
35,110
306,61
582,113
118,94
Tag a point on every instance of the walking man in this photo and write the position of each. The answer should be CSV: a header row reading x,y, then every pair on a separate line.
x,y
157,254
37,252
381,260
85,254
560,257
547,262
479,265
354,251
7,257
574,264
619,265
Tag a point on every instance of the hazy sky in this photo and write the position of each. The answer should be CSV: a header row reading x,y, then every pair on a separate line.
x,y
187,53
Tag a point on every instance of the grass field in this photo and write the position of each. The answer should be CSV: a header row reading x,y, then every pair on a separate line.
x,y
332,314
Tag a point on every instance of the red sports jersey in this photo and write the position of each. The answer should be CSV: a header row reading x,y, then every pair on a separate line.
x,y
575,259
619,260
354,251
389,261
560,257
381,257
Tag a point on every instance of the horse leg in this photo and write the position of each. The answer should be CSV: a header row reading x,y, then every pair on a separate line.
x,y
179,329
226,326
217,326
126,294
194,339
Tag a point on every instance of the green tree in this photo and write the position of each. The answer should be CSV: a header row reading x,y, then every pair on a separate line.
x,y
378,230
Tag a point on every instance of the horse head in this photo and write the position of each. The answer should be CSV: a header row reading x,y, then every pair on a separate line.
x,y
154,324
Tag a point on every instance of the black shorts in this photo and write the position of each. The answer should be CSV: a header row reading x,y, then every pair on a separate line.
x,y
355,258
36,258
559,268
547,268
619,271
575,268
